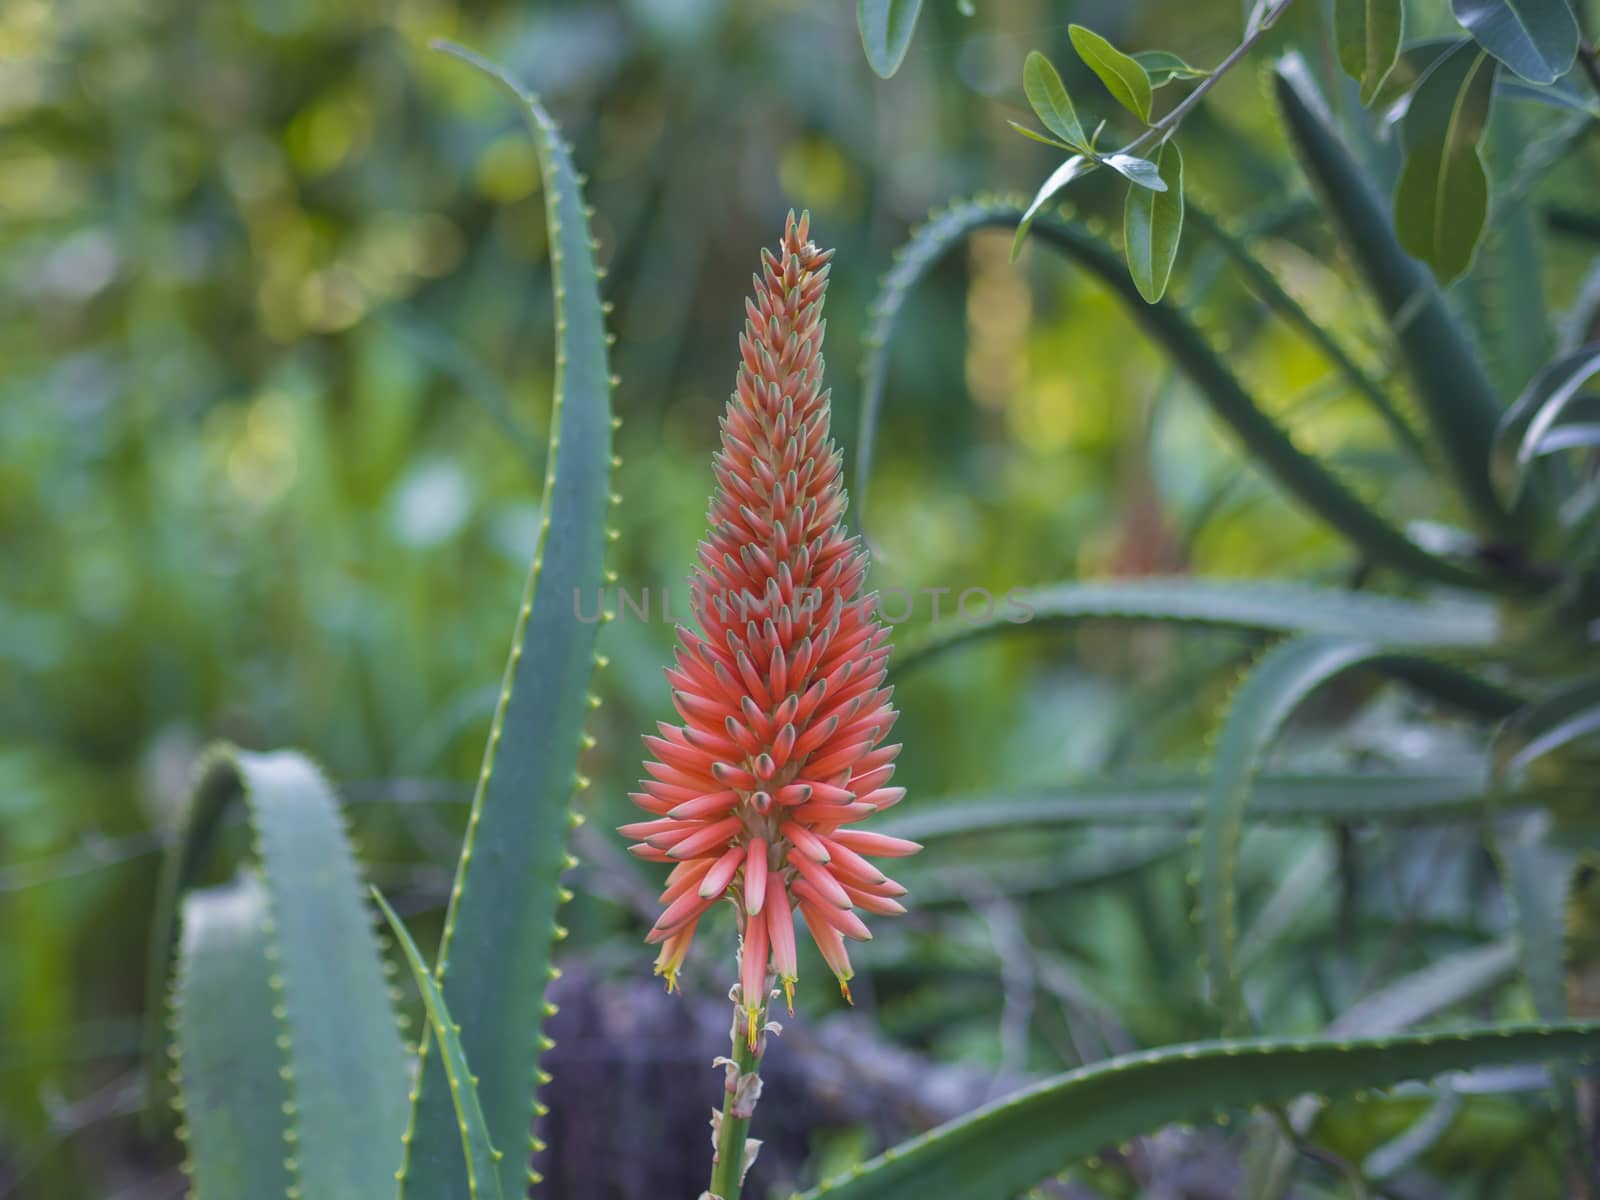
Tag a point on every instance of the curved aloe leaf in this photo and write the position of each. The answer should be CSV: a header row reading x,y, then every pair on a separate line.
x,y
1382,798
494,962
886,27
1537,411
1450,379
1260,607
1307,479
1283,678
348,1072
1006,1147
1260,280
231,1069
483,1177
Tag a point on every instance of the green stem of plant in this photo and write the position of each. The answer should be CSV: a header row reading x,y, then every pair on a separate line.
x,y
738,1106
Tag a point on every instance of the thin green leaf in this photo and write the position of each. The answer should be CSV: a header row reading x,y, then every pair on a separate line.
x,y
1389,799
1462,406
1006,1147
1443,197
1542,728
1414,62
1124,77
1538,39
1051,104
481,1156
1059,178
1152,223
494,962
1428,991
1300,475
1036,136
1163,66
1137,170
886,27
1536,413
1369,34
233,1073
349,1072
1256,606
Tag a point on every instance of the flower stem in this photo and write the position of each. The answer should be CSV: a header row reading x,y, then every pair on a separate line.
x,y
740,1094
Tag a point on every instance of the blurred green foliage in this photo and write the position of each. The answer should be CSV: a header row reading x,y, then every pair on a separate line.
x,y
272,416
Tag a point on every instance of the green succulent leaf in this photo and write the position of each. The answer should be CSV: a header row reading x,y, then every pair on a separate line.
x,y
1461,404
1527,428
1369,34
348,1070
1051,104
1262,607
1302,476
1163,66
886,27
231,1069
482,1173
1124,77
1443,197
494,962
1008,1146
1280,682
1538,39
1152,223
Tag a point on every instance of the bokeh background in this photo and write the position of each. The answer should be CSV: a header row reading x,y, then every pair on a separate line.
x,y
275,364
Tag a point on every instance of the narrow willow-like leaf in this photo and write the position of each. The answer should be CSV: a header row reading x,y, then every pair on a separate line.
x,y
1163,66
1538,39
1008,1146
347,1067
1455,391
231,1068
1443,197
1248,605
1283,678
1369,34
1398,799
1139,171
886,27
1152,223
494,962
483,1177
1051,104
1123,75
1536,412
1264,283
1075,166
1308,480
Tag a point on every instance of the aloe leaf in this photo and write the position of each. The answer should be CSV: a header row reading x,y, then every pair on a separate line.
x,y
1283,678
1262,607
1536,412
494,962
1006,1147
1452,385
348,1071
1308,480
1542,728
231,1069
1050,102
1538,39
886,27
1368,34
1124,77
1442,200
483,1177
1428,991
1390,799
1261,280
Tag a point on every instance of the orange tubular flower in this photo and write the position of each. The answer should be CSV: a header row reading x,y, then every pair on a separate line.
x,y
758,794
